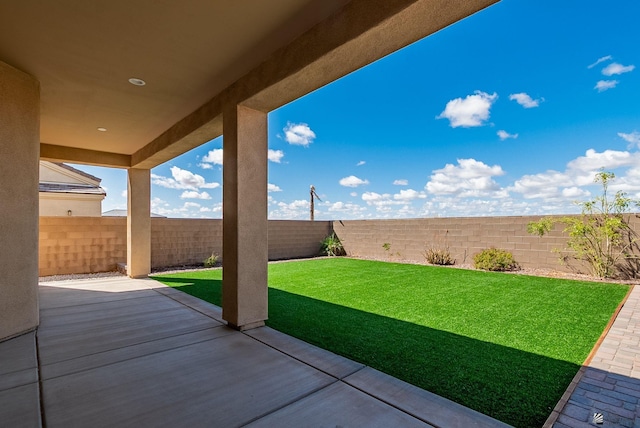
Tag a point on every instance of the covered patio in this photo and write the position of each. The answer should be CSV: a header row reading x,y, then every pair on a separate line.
x,y
112,85
134,352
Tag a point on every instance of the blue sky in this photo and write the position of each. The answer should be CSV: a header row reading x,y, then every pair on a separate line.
x,y
509,112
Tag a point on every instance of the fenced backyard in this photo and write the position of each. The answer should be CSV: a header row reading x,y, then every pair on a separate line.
x,y
505,345
96,244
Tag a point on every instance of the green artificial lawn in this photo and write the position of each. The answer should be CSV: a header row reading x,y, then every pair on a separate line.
x,y
505,345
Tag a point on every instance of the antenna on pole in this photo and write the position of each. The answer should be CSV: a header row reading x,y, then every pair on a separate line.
x,y
312,195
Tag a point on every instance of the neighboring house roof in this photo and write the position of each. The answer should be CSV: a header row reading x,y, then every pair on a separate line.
x,y
77,171
71,188
123,213
56,177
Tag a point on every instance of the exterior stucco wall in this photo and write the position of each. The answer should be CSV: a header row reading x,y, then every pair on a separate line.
x,y
19,156
56,205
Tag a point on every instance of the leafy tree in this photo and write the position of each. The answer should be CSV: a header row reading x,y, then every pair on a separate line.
x,y
601,235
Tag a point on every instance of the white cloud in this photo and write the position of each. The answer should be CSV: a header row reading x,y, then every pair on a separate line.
x,y
298,209
275,155
124,193
525,100
574,192
470,111
157,203
299,134
214,157
382,202
205,165
273,188
558,187
401,182
182,179
188,205
192,194
616,68
504,135
350,209
469,178
352,181
360,163
609,159
353,194
543,185
409,195
603,85
600,60
633,138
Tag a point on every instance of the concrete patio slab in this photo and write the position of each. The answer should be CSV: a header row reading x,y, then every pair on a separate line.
x,y
20,407
155,357
105,358
87,329
19,392
18,362
199,305
57,297
323,360
227,381
418,402
348,408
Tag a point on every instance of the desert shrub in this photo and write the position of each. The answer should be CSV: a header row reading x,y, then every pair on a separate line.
x,y
439,256
495,259
211,261
437,253
331,246
601,236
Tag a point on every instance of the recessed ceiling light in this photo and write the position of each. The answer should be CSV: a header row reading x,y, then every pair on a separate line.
x,y
137,82
101,129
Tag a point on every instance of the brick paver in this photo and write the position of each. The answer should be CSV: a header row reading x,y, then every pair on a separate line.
x,y
610,384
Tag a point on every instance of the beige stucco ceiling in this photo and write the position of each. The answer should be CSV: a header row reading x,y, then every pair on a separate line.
x,y
189,52
84,52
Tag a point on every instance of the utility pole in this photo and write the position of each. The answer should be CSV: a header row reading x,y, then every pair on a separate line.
x,y
312,195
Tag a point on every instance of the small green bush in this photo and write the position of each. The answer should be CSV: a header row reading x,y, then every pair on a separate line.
x,y
211,261
495,259
439,256
331,246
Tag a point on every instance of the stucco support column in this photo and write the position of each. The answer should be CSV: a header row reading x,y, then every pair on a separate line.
x,y
244,249
138,222
19,156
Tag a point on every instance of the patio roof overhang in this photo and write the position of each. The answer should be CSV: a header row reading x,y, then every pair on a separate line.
x,y
67,96
195,56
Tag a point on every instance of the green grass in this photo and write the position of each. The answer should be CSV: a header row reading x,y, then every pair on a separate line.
x,y
505,345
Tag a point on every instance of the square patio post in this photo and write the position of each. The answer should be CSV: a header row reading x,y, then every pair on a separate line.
x,y
19,156
245,227
138,222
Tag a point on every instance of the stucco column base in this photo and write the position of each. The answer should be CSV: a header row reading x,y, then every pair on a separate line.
x,y
138,223
244,221
245,327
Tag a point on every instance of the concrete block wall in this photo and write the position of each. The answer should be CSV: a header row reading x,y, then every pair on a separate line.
x,y
289,239
176,242
97,244
81,244
465,237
